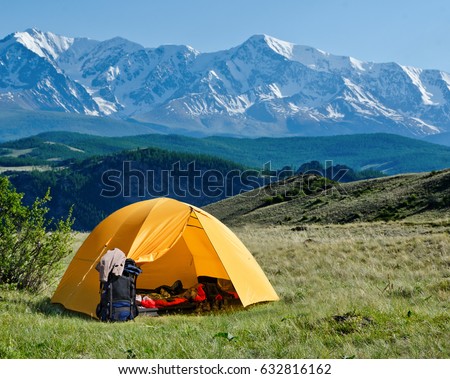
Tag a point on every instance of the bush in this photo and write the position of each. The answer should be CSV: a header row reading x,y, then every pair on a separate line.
x,y
31,247
273,199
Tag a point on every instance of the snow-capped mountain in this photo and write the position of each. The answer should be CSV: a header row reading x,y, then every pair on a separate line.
x,y
263,87
31,78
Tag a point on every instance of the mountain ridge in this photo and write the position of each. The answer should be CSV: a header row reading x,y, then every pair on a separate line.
x,y
262,87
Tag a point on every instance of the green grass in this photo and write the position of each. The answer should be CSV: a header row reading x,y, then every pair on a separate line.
x,y
367,290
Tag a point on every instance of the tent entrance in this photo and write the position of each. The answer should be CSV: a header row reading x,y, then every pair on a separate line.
x,y
192,256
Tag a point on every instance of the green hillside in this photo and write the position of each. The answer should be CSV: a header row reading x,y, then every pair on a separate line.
x,y
389,153
307,199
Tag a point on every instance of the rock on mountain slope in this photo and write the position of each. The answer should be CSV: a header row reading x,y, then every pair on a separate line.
x,y
263,87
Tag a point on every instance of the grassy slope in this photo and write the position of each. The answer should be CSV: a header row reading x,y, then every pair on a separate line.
x,y
310,199
392,153
361,290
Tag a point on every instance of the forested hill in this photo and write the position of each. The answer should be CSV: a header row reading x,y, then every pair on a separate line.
x,y
98,185
389,153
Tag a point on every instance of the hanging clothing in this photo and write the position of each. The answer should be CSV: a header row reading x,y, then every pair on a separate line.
x,y
112,262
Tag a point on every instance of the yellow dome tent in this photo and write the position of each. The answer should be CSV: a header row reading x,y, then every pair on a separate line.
x,y
169,240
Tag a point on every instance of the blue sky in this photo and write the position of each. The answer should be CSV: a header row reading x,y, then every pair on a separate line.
x,y
413,32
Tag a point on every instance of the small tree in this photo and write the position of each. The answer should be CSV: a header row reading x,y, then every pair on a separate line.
x,y
31,247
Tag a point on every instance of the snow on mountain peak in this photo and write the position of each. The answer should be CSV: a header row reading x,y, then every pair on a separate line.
x,y
125,44
308,56
278,46
175,50
44,44
283,48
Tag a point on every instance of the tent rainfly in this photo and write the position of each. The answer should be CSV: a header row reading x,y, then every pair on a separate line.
x,y
169,240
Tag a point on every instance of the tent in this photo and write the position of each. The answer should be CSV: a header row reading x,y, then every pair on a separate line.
x,y
169,240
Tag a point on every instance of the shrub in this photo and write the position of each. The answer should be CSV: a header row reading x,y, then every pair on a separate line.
x,y
446,200
273,199
31,247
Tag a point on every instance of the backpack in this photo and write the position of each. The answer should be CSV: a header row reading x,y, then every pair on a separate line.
x,y
118,295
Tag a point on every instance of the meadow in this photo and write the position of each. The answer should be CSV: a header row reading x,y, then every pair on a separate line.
x,y
361,290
